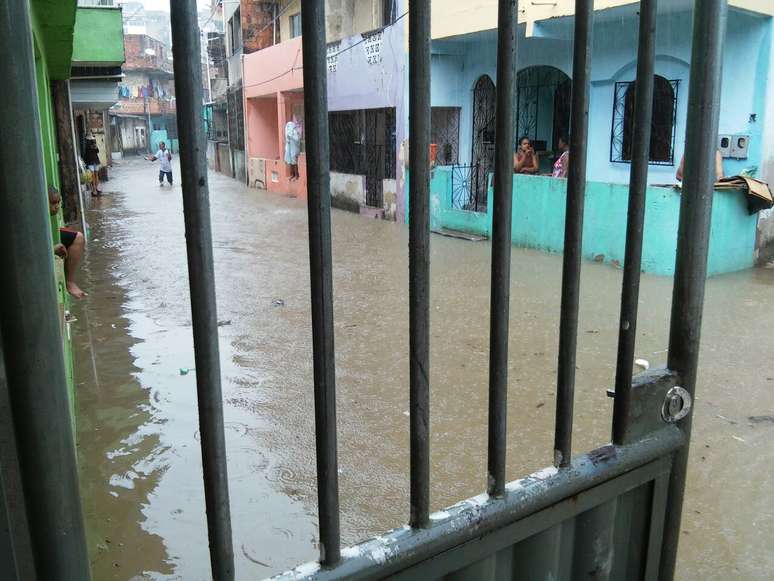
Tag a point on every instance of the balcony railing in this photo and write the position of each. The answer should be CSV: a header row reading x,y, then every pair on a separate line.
x,y
142,106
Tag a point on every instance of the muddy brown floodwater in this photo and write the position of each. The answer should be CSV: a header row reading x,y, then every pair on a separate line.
x,y
137,421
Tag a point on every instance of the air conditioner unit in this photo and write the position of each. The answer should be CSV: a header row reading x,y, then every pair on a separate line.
x,y
256,172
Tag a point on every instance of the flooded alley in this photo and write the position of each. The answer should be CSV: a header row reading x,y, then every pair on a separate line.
x,y
136,394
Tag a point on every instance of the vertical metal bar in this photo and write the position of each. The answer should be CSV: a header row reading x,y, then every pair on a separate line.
x,y
656,532
201,276
31,345
321,270
16,561
573,231
709,26
501,248
419,259
638,181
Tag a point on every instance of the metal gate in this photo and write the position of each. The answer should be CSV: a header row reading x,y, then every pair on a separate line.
x,y
611,513
483,154
379,153
362,142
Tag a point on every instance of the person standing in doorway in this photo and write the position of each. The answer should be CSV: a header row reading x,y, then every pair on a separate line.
x,y
91,157
562,163
292,146
164,156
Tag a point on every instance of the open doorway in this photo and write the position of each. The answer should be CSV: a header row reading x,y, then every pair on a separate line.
x,y
542,107
483,154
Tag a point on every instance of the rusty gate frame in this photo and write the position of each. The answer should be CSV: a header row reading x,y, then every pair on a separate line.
x,y
611,513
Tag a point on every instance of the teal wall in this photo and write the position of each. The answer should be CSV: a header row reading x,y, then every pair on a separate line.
x,y
159,135
539,212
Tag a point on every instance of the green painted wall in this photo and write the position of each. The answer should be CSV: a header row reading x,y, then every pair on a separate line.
x,y
47,123
99,36
53,22
47,32
539,212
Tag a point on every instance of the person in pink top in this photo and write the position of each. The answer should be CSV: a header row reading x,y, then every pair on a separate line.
x,y
562,164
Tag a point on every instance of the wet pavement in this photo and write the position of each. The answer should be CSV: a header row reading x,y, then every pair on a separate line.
x,y
137,419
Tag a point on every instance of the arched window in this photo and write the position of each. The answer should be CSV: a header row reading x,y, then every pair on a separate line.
x,y
662,137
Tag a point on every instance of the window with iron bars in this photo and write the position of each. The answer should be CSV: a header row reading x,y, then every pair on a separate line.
x,y
389,12
663,124
236,136
362,142
235,32
445,133
295,25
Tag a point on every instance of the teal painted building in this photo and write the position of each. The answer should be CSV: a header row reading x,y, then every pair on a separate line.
x,y
463,126
544,68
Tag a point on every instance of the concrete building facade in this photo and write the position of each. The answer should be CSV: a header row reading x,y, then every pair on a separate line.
x,y
145,112
98,53
463,85
366,102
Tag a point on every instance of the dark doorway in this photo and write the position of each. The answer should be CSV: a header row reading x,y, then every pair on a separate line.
x,y
562,102
80,129
362,142
482,158
542,106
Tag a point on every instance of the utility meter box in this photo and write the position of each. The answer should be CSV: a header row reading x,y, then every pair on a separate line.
x,y
724,145
739,145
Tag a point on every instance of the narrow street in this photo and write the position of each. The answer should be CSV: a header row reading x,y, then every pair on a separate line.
x,y
136,399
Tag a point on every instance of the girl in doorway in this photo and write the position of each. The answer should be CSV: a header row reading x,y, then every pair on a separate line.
x,y
525,160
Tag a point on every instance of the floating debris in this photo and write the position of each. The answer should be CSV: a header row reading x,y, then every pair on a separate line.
x,y
729,420
186,370
644,363
278,303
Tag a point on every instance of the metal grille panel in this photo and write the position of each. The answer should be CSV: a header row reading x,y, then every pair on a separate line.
x,y
663,124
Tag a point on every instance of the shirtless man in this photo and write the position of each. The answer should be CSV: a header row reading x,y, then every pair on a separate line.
x,y
718,168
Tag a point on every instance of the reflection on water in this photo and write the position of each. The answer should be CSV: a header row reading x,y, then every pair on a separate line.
x,y
137,422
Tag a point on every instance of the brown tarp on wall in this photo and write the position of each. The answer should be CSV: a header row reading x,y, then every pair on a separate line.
x,y
758,194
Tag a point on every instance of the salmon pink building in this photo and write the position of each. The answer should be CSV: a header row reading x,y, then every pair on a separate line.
x,y
368,119
274,91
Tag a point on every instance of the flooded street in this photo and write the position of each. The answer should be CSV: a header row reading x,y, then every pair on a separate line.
x,y
136,409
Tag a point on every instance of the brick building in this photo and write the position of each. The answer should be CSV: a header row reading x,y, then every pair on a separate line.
x,y
145,112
